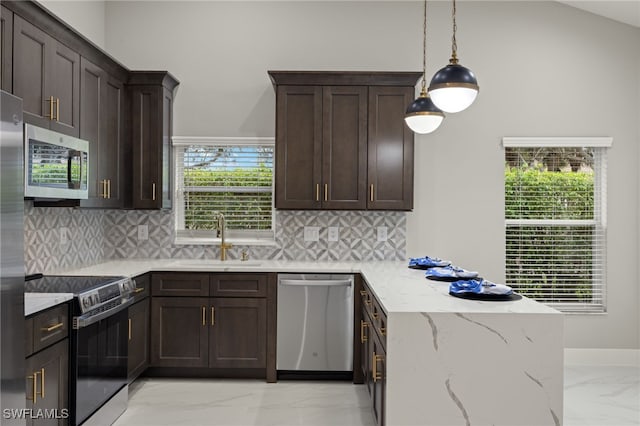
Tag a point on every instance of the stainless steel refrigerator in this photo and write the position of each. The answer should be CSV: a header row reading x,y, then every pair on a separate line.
x,y
12,270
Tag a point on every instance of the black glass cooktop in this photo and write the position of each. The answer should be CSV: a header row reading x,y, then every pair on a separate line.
x,y
64,284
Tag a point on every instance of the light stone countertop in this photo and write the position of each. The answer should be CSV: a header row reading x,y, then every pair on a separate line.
x,y
36,302
398,288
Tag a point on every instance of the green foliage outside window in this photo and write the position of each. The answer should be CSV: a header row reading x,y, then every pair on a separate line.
x,y
244,209
550,263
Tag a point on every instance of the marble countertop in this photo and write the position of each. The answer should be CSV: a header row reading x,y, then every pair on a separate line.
x,y
398,288
36,302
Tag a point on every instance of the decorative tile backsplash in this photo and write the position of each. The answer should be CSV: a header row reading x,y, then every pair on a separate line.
x,y
95,235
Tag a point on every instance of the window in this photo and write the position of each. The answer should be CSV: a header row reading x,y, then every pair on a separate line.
x,y
555,217
232,176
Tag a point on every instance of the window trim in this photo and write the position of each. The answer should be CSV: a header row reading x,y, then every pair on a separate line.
x,y
600,204
178,213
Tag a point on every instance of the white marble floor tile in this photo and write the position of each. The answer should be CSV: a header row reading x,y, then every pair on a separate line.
x,y
593,396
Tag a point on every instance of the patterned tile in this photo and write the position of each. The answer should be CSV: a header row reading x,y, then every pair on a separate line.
x,y
96,235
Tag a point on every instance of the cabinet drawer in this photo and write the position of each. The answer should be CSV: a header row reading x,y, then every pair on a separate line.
x,y
239,285
180,284
49,327
379,320
143,286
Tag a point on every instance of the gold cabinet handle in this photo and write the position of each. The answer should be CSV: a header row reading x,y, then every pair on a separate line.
x,y
326,191
375,315
204,315
129,329
371,192
363,292
153,190
58,109
51,101
109,188
383,331
34,381
317,192
363,325
104,188
213,316
53,327
41,382
139,290
376,359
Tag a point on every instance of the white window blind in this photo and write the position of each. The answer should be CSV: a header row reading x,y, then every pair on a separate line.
x,y
232,176
555,217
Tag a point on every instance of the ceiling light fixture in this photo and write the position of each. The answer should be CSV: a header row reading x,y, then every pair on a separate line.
x,y
454,87
422,115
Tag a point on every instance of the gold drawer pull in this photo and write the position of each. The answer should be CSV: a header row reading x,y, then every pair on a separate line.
x,y
104,188
139,290
326,191
42,382
204,315
375,360
363,292
53,327
213,316
317,192
129,328
109,188
371,192
363,325
34,379
153,189
383,331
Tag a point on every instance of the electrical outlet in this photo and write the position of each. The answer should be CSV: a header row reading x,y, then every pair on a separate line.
x,y
143,232
311,233
333,234
64,235
382,233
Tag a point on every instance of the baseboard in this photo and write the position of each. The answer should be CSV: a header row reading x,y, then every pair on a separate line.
x,y
618,357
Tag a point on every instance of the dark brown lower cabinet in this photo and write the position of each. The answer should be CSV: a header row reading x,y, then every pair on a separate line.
x,y
208,332
238,333
138,359
365,352
378,378
47,385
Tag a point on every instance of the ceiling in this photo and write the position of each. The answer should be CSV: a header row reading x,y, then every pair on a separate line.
x,y
627,11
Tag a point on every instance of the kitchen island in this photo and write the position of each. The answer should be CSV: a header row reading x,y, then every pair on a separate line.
x,y
449,361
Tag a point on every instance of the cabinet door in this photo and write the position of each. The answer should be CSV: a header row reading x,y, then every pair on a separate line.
x,y
101,102
180,337
238,333
47,382
390,149
344,147
298,147
6,45
365,351
138,359
64,85
147,152
31,71
91,99
378,378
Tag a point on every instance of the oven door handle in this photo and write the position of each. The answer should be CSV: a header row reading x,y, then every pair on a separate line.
x,y
86,320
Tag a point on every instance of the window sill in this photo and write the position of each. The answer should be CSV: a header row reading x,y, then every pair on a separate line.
x,y
183,241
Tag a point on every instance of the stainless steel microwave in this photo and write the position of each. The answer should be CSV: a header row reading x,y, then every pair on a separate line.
x,y
55,165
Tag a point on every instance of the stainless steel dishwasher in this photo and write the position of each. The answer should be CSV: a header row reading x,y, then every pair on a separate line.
x,y
315,325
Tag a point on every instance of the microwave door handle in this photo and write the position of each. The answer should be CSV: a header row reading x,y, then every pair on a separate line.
x,y
73,154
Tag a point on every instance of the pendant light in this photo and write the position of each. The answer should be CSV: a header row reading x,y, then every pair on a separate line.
x,y
454,87
422,115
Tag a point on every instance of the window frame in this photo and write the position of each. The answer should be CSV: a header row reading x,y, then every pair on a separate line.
x,y
238,237
599,222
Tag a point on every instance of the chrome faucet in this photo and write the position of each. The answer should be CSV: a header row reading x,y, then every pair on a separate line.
x,y
223,245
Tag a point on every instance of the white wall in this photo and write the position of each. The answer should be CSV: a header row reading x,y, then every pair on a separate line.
x,y
86,16
545,69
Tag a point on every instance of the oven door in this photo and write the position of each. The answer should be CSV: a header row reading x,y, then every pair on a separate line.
x,y
100,355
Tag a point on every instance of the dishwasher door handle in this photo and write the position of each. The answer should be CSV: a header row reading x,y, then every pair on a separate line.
x,y
314,283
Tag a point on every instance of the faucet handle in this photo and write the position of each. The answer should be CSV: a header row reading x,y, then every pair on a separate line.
x,y
243,255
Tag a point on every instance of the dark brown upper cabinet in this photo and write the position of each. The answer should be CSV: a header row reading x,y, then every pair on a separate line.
x,y
152,128
102,102
46,75
6,44
341,141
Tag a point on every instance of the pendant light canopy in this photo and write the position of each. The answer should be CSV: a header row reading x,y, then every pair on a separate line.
x,y
454,87
422,115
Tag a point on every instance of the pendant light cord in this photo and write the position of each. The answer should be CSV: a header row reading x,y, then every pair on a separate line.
x,y
423,92
454,42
